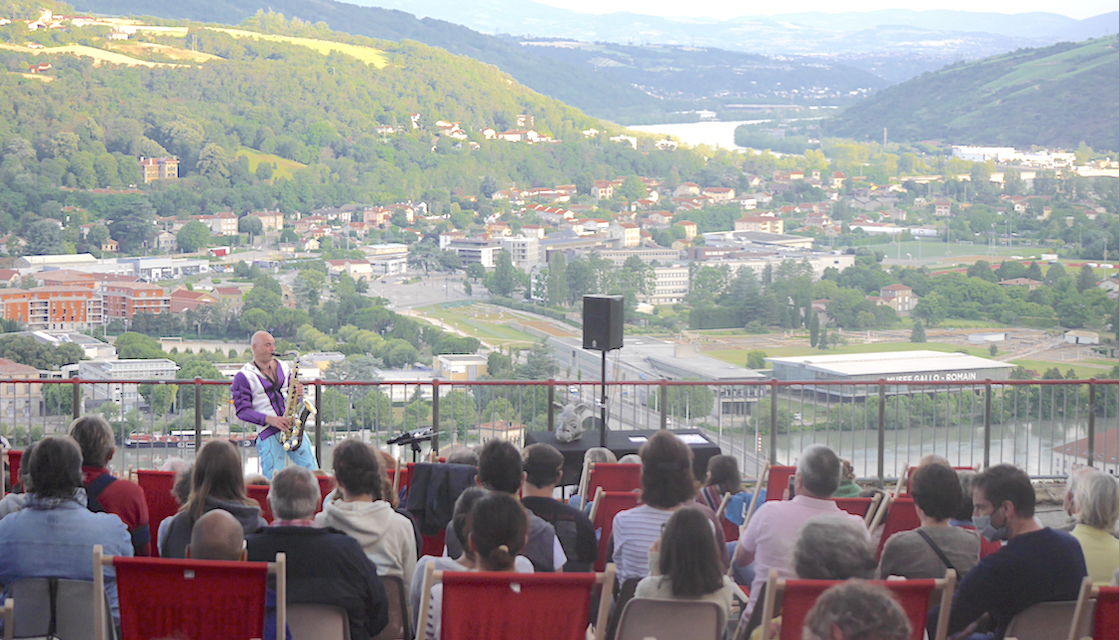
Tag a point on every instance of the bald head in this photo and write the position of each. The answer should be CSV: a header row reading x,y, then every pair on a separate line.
x,y
263,346
217,535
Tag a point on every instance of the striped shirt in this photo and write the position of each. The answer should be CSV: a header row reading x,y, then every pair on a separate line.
x,y
634,531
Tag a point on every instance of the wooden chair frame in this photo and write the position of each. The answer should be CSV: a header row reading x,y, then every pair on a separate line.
x,y
278,568
605,580
754,498
7,614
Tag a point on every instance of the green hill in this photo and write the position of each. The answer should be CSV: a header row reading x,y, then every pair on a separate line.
x,y
1056,96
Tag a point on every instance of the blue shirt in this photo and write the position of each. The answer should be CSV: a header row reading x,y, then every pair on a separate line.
x,y
1041,566
41,542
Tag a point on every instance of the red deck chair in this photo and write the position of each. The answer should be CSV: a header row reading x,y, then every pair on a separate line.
x,y
604,508
613,477
799,596
778,481
542,606
730,530
161,597
326,485
901,516
1106,624
14,459
259,492
862,507
434,544
157,493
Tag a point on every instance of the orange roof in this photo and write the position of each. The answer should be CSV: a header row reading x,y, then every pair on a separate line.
x,y
11,367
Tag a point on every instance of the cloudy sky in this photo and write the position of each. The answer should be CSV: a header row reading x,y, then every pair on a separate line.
x,y
724,9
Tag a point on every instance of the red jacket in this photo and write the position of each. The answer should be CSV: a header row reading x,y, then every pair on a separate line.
x,y
126,500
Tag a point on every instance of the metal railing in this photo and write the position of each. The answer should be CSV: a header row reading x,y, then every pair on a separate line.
x,y
1043,426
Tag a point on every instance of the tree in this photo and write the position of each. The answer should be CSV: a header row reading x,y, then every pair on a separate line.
x,y
557,283
212,395
1086,278
193,236
814,328
132,228
213,162
97,235
505,276
822,341
476,271
756,359
918,333
137,345
539,363
993,350
581,279
44,238
632,188
309,286
251,225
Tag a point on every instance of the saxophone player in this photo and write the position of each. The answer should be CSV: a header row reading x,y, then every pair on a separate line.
x,y
260,395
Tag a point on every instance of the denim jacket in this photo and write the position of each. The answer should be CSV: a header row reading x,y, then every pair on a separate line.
x,y
56,538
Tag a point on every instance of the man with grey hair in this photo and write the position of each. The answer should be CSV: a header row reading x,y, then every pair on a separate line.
x,y
768,539
260,396
325,566
856,610
829,548
104,492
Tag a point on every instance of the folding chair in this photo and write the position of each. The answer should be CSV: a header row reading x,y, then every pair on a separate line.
x,y
1050,621
66,606
161,597
259,492
318,622
862,507
433,545
1106,620
542,606
613,477
730,530
14,459
157,487
604,508
754,497
799,596
901,516
777,481
400,623
326,486
7,615
651,618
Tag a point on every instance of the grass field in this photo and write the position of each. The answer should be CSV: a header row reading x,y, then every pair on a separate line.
x,y
932,249
36,76
486,325
284,167
99,56
1082,370
141,48
739,356
368,55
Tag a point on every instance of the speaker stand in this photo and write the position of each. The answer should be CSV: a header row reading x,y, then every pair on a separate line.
x,y
603,402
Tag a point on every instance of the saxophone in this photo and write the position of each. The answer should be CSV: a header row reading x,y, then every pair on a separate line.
x,y
298,412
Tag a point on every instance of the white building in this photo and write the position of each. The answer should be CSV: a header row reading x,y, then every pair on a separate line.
x,y
126,395
476,250
525,251
671,285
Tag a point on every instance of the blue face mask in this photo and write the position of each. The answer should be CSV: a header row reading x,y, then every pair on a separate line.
x,y
983,524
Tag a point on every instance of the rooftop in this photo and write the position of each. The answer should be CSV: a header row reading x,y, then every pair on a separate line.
x,y
891,363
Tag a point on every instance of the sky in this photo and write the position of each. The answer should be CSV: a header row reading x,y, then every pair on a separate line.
x,y
724,9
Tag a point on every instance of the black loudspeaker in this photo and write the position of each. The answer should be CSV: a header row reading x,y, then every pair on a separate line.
x,y
602,322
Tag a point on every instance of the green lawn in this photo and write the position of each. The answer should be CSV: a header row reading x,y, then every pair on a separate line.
x,y
1083,371
488,326
284,167
929,249
739,356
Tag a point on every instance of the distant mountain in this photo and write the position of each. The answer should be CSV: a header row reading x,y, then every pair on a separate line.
x,y
939,36
596,94
1056,96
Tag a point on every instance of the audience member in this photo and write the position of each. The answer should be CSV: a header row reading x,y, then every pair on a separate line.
x,y
498,531
181,492
325,566
1038,564
766,541
667,485
463,455
499,469
256,479
460,522
1076,472
544,465
723,477
358,509
174,463
856,610
630,458
54,534
962,516
391,496
217,535
848,487
216,483
1097,507
103,491
827,548
928,551
594,455
13,502
684,564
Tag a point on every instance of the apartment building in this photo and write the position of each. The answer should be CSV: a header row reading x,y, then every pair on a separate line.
x,y
20,397
125,299
159,169
525,251
671,285
55,307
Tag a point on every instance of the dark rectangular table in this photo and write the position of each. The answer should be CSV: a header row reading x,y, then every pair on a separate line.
x,y
619,443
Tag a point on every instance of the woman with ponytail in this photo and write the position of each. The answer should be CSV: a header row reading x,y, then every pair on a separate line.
x,y
359,509
499,528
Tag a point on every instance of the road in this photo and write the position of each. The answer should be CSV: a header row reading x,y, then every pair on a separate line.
x,y
433,289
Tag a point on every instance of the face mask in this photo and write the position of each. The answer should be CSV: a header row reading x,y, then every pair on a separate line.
x,y
983,524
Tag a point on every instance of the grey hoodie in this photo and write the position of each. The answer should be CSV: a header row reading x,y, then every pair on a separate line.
x,y
385,535
179,533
